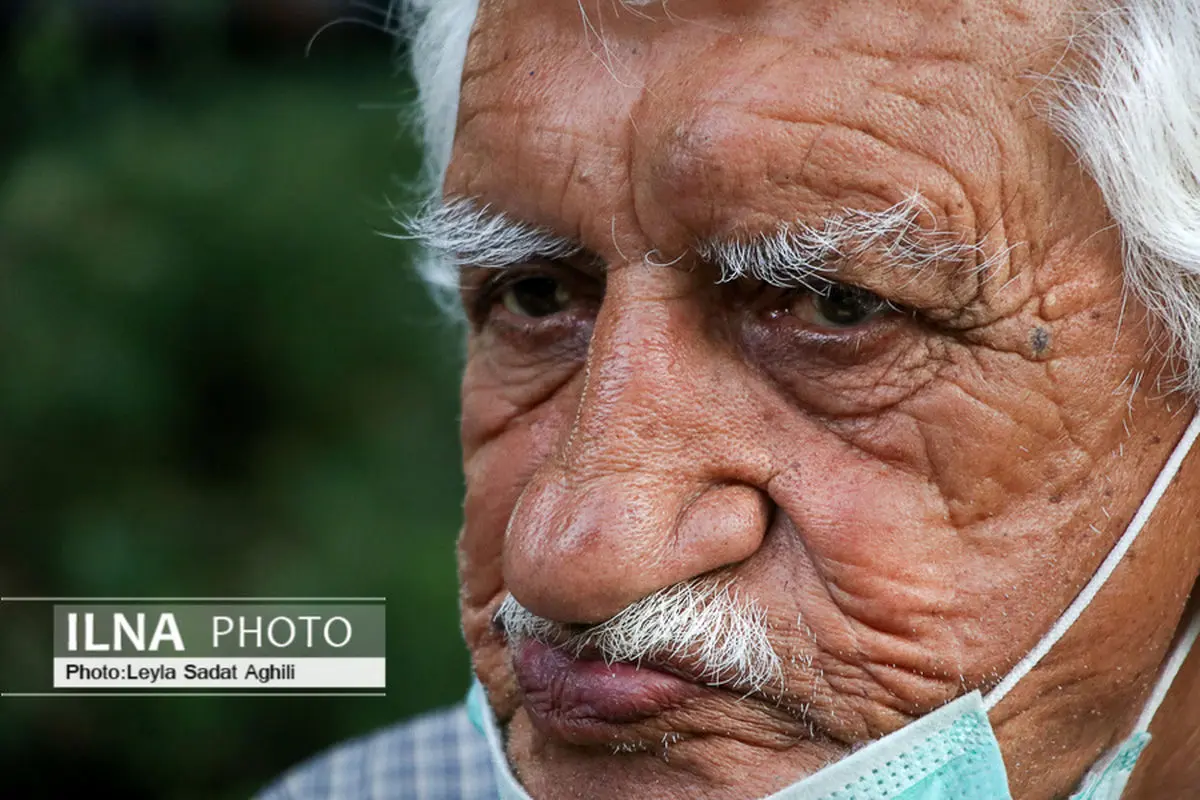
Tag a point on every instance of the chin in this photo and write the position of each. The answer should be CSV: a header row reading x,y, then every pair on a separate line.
x,y
664,769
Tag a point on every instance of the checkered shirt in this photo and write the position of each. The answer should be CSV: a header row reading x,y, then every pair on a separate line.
x,y
437,756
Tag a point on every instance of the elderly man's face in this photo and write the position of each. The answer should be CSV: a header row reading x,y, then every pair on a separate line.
x,y
910,461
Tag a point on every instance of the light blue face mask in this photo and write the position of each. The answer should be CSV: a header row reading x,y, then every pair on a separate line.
x,y
952,753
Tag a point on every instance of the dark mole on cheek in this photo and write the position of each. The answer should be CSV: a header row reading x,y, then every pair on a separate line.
x,y
1039,341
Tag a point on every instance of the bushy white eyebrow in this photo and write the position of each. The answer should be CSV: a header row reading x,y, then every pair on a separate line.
x,y
798,254
463,232
467,233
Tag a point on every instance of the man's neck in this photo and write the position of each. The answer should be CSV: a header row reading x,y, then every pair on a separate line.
x,y
1170,767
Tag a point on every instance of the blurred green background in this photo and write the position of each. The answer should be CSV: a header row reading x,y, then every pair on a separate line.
x,y
216,378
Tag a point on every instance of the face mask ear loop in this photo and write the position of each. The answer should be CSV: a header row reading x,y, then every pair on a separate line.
x,y
1103,573
1179,654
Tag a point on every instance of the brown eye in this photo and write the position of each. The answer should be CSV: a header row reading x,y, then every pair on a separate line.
x,y
535,296
839,306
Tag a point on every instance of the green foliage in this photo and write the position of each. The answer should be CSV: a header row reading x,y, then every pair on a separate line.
x,y
218,380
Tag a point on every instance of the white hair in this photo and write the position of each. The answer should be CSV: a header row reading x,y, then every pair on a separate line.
x,y
437,32
1132,115
701,622
1133,119
795,252
458,232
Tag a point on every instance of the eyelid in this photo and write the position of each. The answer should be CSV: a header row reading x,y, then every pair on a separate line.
x,y
486,293
821,285
933,290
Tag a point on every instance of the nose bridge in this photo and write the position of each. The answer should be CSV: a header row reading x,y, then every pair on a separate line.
x,y
638,407
645,491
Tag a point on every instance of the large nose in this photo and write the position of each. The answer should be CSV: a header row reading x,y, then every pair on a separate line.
x,y
658,479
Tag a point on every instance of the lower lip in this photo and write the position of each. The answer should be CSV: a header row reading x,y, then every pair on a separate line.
x,y
581,700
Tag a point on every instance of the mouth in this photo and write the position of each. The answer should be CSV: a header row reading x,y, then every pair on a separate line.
x,y
587,701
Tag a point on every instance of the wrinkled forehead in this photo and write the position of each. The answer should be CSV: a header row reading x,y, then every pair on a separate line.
x,y
990,32
712,108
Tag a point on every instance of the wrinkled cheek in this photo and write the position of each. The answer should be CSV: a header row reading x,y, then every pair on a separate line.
x,y
503,391
496,475
486,411
900,586
496,466
480,545
481,580
864,514
497,470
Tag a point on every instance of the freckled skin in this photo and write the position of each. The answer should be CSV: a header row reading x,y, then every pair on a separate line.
x,y
913,504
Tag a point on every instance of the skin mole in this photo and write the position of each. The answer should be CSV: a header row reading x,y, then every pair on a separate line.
x,y
1039,341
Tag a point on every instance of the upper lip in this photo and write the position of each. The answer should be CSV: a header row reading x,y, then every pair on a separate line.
x,y
681,667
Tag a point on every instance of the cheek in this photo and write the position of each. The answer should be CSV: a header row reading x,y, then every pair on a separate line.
x,y
500,389
899,586
496,474
504,444
928,564
996,442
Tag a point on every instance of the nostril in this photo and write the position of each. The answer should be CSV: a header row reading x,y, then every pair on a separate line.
x,y
725,525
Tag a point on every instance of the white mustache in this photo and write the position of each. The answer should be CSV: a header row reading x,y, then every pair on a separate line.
x,y
702,623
